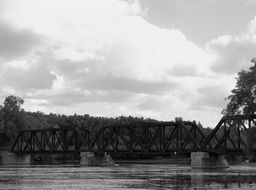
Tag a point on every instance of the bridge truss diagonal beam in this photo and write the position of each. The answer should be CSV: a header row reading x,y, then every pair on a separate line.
x,y
160,138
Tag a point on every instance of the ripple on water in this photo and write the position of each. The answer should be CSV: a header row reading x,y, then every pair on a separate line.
x,y
125,177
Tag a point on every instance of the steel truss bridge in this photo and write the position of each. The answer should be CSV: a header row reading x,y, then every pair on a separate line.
x,y
140,139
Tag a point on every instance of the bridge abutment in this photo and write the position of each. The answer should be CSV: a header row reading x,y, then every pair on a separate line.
x,y
91,159
87,159
207,160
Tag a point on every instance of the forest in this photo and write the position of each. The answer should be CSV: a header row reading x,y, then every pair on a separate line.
x,y
13,119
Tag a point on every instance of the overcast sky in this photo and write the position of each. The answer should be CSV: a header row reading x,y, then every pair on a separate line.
x,y
152,58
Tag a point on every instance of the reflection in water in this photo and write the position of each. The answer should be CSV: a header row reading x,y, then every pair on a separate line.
x,y
125,177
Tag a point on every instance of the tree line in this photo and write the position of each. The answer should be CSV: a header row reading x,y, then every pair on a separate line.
x,y
14,119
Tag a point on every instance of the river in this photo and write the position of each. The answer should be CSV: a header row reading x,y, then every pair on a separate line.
x,y
131,176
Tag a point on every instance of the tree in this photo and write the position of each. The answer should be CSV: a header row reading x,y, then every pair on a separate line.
x,y
243,101
243,97
12,110
12,104
12,115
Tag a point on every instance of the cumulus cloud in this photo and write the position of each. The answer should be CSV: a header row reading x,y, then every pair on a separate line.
x,y
234,53
15,43
36,75
210,96
71,96
126,84
103,55
183,71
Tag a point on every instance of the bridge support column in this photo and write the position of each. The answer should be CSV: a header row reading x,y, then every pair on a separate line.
x,y
108,160
207,160
90,159
87,159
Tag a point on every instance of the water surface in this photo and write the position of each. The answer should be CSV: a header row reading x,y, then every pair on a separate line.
x,y
130,176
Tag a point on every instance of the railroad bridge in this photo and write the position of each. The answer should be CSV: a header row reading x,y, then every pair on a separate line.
x,y
141,139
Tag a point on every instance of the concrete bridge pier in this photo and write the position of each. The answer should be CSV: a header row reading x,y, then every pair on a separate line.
x,y
91,159
206,160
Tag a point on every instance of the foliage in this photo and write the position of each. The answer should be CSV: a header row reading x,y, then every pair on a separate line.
x,y
10,118
13,119
243,101
243,97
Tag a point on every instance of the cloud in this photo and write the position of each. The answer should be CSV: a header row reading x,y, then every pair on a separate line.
x,y
234,53
70,96
155,103
183,71
114,32
15,43
210,97
250,2
103,57
26,75
192,4
126,84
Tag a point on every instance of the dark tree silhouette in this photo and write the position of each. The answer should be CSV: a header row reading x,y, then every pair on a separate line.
x,y
10,118
243,101
12,104
243,97
13,119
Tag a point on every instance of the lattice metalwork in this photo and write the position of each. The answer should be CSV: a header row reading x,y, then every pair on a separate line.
x,y
144,138
164,138
230,134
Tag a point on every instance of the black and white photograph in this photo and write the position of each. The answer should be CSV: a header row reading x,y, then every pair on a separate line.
x,y
127,94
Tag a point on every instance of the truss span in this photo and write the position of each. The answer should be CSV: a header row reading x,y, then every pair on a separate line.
x,y
141,139
118,140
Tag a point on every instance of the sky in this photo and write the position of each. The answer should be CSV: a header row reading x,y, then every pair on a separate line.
x,y
147,58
